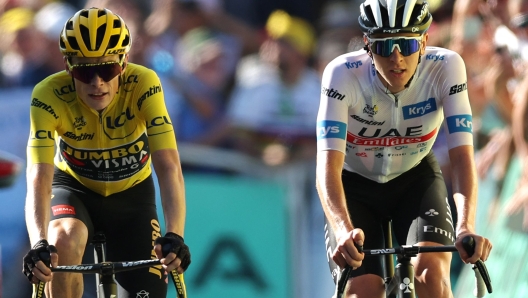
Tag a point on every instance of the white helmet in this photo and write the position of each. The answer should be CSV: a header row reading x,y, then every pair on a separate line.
x,y
394,16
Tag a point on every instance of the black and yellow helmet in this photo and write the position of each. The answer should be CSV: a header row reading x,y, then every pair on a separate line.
x,y
95,32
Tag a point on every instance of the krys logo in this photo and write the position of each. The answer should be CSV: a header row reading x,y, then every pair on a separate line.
x,y
355,64
434,57
111,164
419,109
460,123
331,129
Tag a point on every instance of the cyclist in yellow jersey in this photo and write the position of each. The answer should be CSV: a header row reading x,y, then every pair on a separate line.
x,y
95,130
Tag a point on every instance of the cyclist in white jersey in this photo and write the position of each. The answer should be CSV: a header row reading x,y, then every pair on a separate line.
x,y
380,112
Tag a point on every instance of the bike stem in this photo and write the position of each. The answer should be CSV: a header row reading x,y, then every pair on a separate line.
x,y
105,281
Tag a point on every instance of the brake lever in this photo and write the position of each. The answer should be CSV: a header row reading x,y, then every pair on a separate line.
x,y
469,245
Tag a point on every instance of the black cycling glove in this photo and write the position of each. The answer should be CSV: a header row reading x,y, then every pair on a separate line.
x,y
40,252
172,242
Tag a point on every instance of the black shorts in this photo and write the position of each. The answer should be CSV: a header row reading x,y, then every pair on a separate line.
x,y
415,201
128,220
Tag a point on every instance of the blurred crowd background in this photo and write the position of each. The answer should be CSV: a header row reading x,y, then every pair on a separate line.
x,y
242,85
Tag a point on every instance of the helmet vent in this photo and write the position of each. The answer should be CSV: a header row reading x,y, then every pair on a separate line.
x,y
126,41
62,45
416,13
370,16
100,35
112,43
69,25
73,43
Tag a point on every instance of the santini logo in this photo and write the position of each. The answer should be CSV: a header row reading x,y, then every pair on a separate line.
x,y
419,109
460,123
331,129
332,93
457,88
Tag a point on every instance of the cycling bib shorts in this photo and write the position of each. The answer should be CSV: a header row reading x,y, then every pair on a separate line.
x,y
129,221
415,201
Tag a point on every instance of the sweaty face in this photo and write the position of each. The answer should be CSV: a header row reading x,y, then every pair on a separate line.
x,y
394,58
96,79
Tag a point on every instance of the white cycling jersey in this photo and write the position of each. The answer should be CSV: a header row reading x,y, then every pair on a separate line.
x,y
382,134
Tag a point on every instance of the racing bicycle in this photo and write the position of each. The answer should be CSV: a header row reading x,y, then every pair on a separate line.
x,y
105,271
399,278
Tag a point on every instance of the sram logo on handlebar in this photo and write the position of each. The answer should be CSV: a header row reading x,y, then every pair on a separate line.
x,y
381,251
77,267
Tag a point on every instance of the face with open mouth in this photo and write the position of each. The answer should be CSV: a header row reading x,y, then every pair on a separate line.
x,y
96,79
396,57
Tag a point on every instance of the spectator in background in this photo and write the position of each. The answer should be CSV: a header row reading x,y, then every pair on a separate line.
x,y
197,64
480,33
338,32
49,20
519,200
23,63
273,107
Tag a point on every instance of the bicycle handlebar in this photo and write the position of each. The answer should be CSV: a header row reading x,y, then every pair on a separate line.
x,y
109,268
482,278
407,250
106,268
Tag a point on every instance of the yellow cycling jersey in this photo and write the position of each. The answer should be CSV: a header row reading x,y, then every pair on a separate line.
x,y
107,152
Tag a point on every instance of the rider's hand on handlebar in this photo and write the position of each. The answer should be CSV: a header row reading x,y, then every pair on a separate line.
x,y
346,252
173,252
36,262
482,248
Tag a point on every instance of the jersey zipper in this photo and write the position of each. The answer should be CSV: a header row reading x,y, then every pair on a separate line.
x,y
101,127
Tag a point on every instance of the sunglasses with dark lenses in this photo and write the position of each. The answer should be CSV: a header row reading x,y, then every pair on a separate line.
x,y
385,46
85,72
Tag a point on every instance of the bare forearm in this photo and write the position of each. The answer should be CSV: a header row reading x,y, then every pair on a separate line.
x,y
173,203
172,190
331,193
464,183
38,201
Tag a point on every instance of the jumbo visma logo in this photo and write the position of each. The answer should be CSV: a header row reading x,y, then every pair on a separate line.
x,y
331,129
112,164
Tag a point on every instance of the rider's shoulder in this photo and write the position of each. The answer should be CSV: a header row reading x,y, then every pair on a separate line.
x,y
59,83
436,54
140,71
350,61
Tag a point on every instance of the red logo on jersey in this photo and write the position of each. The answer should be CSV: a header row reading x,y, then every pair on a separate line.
x,y
62,210
388,141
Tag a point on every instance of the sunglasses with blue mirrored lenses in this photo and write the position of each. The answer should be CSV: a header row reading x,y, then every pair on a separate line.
x,y
105,70
385,46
